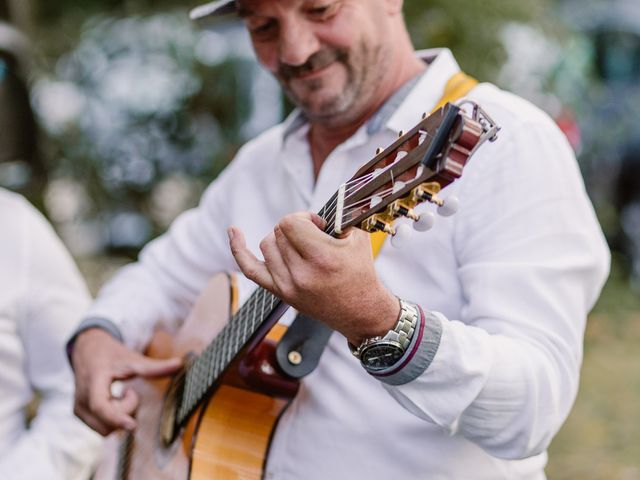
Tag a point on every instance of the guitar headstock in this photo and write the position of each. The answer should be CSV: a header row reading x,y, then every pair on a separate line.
x,y
413,170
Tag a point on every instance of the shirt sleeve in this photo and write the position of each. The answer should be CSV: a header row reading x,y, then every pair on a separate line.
x,y
56,445
531,262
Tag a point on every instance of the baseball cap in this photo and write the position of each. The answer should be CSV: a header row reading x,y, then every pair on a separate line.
x,y
218,7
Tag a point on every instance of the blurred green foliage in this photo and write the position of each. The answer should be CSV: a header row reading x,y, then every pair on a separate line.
x,y
601,440
472,29
120,150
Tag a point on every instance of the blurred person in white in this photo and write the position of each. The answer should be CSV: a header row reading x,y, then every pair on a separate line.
x,y
42,296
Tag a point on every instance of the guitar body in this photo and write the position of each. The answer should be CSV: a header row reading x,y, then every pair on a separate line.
x,y
227,437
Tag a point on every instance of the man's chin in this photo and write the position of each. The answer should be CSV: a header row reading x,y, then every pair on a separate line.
x,y
326,109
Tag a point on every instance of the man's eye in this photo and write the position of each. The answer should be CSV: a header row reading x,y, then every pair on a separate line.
x,y
318,10
261,30
324,12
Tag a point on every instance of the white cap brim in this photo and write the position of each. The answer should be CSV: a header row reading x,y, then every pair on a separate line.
x,y
218,7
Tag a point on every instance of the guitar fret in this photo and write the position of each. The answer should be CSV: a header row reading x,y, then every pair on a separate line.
x,y
212,364
263,314
237,325
252,312
240,330
224,343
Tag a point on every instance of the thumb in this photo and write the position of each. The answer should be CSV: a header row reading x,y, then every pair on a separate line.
x,y
151,367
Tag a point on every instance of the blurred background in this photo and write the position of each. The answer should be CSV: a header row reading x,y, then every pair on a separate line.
x,y
115,115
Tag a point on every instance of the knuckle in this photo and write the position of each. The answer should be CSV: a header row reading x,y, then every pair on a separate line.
x,y
265,244
97,406
250,272
286,222
303,283
284,290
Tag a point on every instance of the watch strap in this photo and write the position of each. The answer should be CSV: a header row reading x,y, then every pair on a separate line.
x,y
401,334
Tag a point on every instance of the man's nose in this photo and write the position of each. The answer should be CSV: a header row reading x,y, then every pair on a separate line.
x,y
298,42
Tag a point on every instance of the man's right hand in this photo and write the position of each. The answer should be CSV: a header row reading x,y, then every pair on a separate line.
x,y
99,360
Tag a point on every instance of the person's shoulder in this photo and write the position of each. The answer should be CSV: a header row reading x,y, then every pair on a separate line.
x,y
14,206
10,199
509,110
22,219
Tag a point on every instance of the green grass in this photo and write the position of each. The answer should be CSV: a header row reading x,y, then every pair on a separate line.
x,y
601,438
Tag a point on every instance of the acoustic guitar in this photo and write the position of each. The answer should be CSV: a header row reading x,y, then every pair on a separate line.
x,y
214,419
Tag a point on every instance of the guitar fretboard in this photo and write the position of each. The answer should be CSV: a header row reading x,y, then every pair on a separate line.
x,y
203,373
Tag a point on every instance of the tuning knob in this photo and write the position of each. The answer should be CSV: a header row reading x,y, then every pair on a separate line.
x,y
375,200
402,236
449,207
424,222
398,185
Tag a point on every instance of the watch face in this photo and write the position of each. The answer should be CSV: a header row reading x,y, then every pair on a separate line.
x,y
381,355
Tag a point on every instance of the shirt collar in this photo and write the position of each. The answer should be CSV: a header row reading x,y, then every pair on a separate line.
x,y
405,107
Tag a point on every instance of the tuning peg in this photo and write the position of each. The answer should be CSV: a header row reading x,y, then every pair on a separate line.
x,y
424,115
400,133
425,222
379,150
402,236
398,185
449,207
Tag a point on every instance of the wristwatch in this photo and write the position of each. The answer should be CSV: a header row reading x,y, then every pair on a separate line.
x,y
380,353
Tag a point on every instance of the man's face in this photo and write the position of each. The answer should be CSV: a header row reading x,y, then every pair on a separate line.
x,y
327,54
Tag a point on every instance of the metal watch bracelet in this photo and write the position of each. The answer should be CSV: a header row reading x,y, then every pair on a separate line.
x,y
401,334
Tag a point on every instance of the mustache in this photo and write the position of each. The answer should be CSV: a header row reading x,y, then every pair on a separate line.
x,y
315,62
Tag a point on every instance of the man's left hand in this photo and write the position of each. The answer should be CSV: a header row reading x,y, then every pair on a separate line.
x,y
330,279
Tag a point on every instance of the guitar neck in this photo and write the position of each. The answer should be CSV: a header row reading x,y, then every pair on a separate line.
x,y
410,171
245,330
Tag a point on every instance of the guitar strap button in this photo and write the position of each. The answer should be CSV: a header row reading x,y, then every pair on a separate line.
x,y
294,357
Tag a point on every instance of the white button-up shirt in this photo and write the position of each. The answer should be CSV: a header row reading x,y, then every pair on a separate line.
x,y
512,277
42,299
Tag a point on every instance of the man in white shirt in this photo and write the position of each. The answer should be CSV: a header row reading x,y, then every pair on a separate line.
x,y
42,300
497,295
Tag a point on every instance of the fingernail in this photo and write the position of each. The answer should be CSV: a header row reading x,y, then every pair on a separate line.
x,y
230,233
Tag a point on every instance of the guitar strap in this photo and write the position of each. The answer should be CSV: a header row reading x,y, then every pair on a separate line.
x,y
301,347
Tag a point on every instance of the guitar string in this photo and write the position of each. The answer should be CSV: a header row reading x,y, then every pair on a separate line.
x,y
368,179
214,357
213,361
